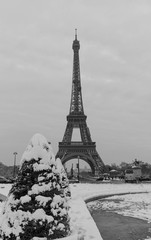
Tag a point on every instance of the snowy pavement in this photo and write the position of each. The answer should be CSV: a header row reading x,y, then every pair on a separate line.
x,y
83,226
88,191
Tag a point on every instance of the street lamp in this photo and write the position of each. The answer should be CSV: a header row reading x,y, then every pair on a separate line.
x,y
15,153
78,167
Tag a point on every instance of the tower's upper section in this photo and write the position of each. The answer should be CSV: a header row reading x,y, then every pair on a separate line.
x,y
76,106
76,43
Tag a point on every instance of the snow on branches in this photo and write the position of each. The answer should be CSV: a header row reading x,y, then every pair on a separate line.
x,y
37,204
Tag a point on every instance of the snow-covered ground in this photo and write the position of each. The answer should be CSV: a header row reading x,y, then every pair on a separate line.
x,y
83,226
132,205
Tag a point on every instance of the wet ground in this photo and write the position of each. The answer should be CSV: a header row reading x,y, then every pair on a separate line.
x,y
113,226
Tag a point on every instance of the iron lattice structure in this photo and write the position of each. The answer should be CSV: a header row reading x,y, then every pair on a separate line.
x,y
86,148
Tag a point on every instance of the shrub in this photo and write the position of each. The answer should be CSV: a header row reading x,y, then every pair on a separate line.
x,y
37,204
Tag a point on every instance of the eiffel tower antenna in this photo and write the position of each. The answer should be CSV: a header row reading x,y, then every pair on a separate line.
x,y
86,148
75,34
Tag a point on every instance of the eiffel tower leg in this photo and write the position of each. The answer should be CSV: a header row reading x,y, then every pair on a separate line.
x,y
99,165
68,133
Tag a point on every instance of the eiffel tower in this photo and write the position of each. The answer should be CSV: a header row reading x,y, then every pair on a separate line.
x,y
84,149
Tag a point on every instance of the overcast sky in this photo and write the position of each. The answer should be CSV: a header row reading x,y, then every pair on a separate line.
x,y
36,61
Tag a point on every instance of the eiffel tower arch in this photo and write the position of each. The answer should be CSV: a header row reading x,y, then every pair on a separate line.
x,y
86,148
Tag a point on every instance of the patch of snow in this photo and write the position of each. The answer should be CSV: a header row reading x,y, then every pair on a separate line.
x,y
38,148
82,222
5,188
43,200
25,199
40,214
36,188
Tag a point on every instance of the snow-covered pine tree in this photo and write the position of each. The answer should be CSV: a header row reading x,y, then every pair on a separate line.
x,y
64,178
37,204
